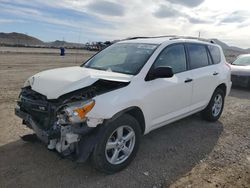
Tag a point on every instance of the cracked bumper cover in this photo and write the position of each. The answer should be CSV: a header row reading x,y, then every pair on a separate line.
x,y
43,135
89,136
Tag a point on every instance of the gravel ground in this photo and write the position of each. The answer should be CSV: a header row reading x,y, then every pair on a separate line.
x,y
188,153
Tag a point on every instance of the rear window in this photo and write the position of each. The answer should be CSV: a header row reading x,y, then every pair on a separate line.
x,y
215,53
198,56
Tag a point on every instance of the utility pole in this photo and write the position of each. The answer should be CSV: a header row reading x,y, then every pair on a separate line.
x,y
199,35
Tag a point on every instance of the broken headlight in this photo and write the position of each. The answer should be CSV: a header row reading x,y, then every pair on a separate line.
x,y
75,112
26,83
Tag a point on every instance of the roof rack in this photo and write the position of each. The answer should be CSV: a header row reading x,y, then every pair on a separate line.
x,y
195,38
175,37
132,38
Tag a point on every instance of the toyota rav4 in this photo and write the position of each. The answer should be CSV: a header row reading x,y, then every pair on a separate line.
x,y
100,110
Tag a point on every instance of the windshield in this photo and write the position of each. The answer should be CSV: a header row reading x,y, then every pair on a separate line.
x,y
242,61
127,58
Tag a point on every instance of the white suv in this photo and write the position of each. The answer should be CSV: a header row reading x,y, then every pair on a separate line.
x,y
101,108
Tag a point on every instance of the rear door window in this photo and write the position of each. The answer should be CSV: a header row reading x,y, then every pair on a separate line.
x,y
197,55
215,53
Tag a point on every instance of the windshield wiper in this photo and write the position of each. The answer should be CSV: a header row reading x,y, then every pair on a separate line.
x,y
96,68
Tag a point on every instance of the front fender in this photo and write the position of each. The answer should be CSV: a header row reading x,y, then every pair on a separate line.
x,y
109,104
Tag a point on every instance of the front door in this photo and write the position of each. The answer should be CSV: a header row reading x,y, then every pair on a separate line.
x,y
168,98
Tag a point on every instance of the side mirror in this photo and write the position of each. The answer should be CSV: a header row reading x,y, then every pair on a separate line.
x,y
160,72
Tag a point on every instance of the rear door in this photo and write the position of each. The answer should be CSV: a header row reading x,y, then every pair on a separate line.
x,y
204,74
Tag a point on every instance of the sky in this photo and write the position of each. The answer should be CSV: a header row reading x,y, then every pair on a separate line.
x,y
101,20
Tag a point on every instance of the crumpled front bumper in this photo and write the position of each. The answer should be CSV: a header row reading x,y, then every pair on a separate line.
x,y
43,135
89,136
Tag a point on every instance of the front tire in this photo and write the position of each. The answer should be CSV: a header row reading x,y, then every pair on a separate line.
x,y
118,144
215,107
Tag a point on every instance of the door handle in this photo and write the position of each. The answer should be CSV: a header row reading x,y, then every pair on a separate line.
x,y
215,73
188,80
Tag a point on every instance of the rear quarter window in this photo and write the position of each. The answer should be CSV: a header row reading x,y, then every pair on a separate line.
x,y
215,53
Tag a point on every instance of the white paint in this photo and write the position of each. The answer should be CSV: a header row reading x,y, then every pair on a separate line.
x,y
56,82
162,101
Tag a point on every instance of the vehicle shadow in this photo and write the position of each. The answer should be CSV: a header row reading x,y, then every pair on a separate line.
x,y
165,155
243,94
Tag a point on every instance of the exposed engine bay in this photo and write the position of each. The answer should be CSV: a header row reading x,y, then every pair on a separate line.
x,y
62,123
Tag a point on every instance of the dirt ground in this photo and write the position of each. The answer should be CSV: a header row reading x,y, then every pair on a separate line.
x,y
188,153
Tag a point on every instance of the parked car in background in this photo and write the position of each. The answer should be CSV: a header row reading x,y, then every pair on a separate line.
x,y
240,71
103,107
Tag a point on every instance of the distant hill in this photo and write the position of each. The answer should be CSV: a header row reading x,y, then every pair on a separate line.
x,y
19,39
227,47
231,52
58,44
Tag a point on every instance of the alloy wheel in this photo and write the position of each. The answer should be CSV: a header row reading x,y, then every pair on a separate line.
x,y
120,145
218,102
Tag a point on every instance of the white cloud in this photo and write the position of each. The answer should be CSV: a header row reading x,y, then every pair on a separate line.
x,y
157,17
188,3
7,21
107,8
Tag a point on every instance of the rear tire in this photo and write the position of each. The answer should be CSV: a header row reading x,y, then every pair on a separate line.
x,y
215,107
118,144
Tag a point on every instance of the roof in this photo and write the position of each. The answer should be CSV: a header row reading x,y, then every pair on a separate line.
x,y
148,40
161,39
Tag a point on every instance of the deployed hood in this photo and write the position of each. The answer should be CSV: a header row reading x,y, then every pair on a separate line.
x,y
240,70
56,82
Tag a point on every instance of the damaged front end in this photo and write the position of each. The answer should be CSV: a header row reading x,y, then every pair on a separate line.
x,y
62,123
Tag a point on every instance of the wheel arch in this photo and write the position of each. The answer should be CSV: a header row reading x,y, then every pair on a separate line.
x,y
135,112
223,87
